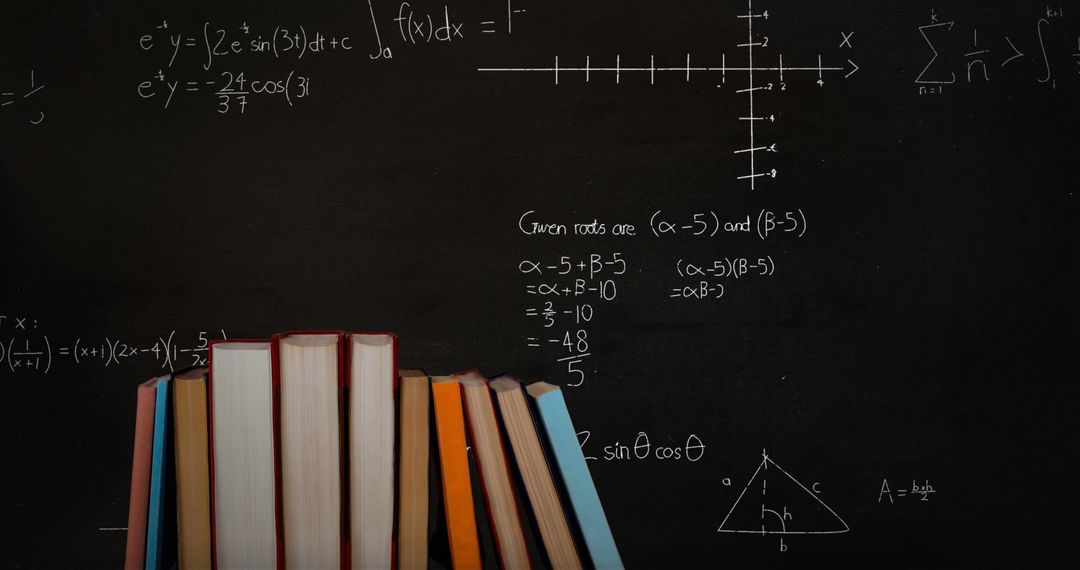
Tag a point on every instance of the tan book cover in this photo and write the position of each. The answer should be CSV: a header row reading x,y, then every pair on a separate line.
x,y
192,470
413,460
536,474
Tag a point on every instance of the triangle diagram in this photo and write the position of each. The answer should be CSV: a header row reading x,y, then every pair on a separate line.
x,y
774,502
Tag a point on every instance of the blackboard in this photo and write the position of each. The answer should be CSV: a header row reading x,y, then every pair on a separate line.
x,y
825,249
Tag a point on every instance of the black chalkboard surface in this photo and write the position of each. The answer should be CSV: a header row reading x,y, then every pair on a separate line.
x,y
806,272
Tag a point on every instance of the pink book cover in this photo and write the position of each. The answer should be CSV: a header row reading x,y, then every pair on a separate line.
x,y
140,477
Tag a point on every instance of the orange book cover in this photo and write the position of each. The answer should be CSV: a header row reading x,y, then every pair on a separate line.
x,y
457,486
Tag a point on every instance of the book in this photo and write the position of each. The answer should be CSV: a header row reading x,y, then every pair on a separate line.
x,y
192,469
457,494
532,465
139,502
160,518
310,379
413,470
372,378
494,471
244,489
489,554
570,463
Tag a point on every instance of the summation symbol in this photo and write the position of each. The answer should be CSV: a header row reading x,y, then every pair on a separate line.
x,y
773,502
749,69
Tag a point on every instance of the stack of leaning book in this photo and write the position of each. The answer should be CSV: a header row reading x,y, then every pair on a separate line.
x,y
312,450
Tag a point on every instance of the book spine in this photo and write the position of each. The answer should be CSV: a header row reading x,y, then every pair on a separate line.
x,y
344,387
468,416
279,518
579,483
156,515
511,477
135,554
561,491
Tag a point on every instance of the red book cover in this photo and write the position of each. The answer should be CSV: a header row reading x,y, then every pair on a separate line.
x,y
342,438
346,498
279,528
140,476
505,465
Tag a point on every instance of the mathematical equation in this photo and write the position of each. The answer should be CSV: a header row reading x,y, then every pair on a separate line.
x,y
922,491
566,292
959,55
30,350
214,45
710,223
705,280
764,224
23,101
691,450
188,57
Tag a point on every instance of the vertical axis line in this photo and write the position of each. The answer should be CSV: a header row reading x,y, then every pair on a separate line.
x,y
750,74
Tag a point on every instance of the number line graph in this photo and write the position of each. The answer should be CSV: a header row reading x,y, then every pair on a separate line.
x,y
559,71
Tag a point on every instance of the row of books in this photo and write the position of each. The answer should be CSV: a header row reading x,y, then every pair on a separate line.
x,y
312,450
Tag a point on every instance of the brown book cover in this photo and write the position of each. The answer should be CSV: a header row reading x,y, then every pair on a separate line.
x,y
494,470
413,471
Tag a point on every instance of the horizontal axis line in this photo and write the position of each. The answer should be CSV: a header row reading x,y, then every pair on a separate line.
x,y
680,69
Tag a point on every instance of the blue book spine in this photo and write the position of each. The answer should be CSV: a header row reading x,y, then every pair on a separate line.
x,y
156,515
578,482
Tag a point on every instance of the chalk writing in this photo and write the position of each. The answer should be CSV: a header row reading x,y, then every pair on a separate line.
x,y
798,511
617,69
26,349
920,490
24,100
961,56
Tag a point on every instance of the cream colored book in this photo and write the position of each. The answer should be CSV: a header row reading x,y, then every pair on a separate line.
x,y
242,412
310,449
372,370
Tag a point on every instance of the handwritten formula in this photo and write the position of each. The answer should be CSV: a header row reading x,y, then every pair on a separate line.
x,y
28,348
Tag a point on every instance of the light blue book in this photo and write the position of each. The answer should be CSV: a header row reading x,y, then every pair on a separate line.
x,y
563,445
155,522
